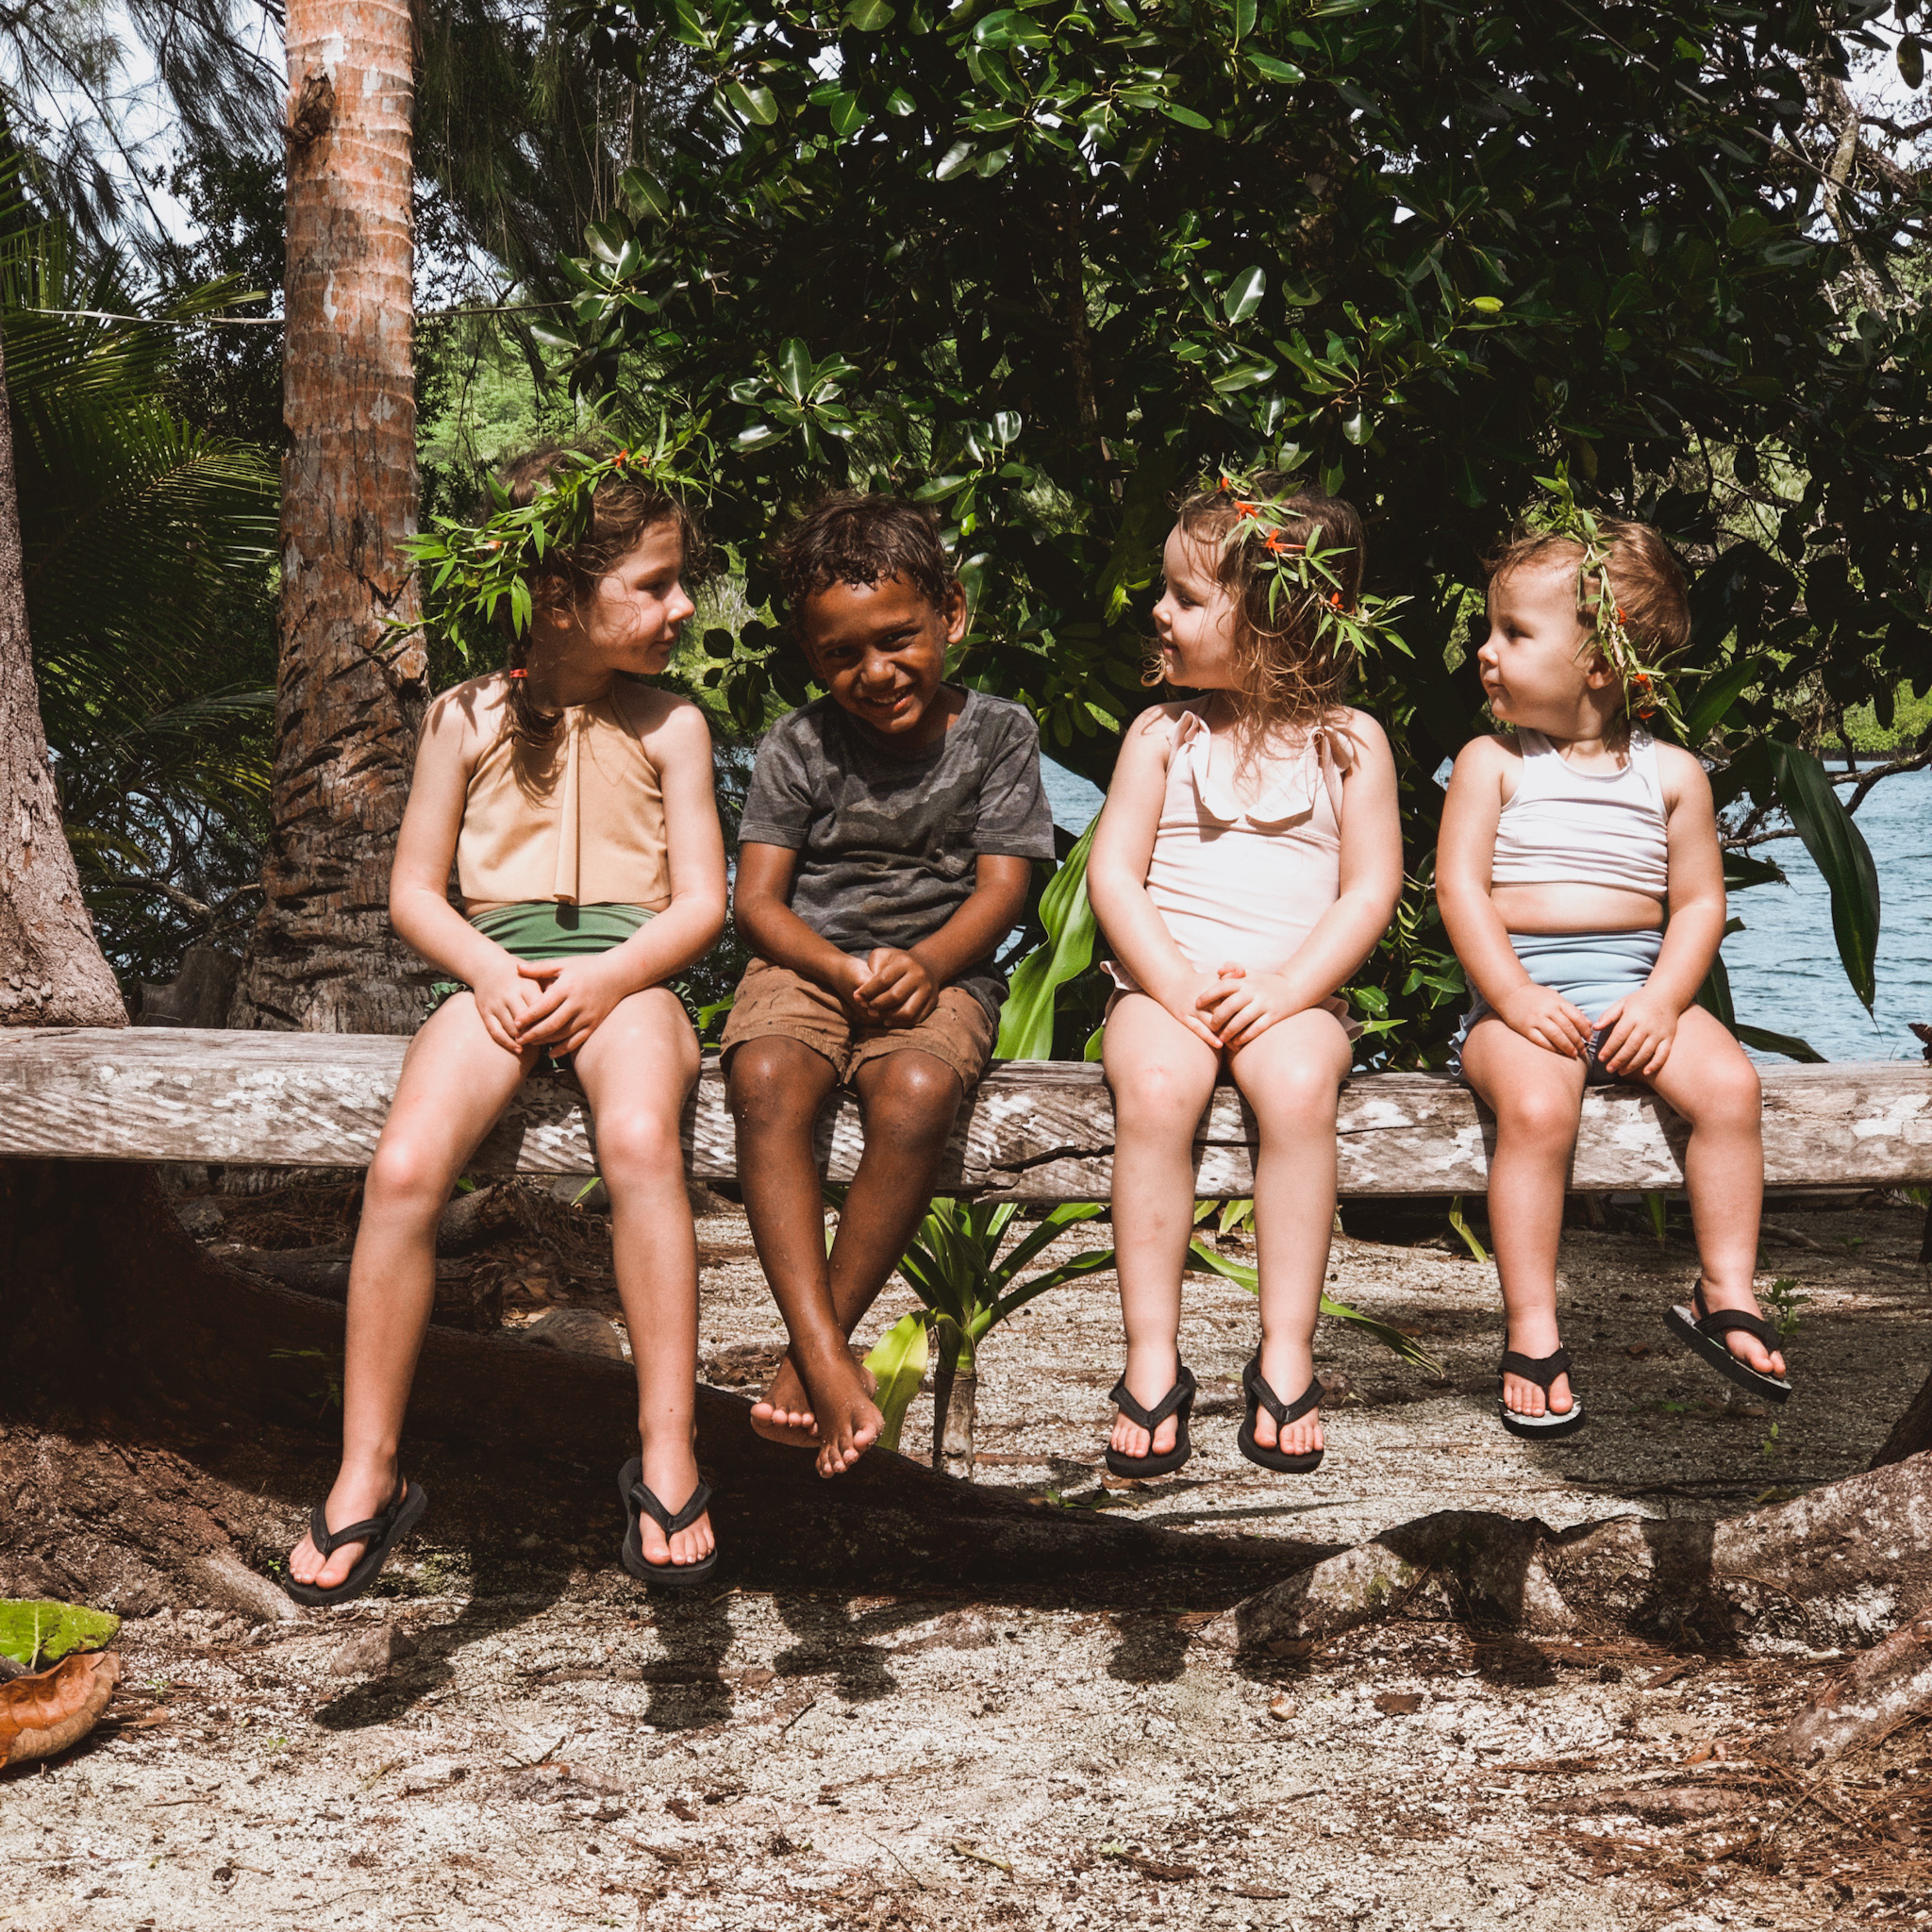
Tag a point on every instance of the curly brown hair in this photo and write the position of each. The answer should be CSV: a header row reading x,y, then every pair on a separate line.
x,y
1293,670
849,538
1649,583
623,509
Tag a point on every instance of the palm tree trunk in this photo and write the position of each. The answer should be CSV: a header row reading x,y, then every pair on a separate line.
x,y
954,1402
50,970
351,689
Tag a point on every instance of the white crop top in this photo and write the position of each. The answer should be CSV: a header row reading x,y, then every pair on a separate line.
x,y
1566,827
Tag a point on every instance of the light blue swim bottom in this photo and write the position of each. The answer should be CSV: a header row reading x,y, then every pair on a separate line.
x,y
1592,970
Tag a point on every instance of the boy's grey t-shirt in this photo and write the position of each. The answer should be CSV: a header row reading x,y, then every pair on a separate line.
x,y
888,845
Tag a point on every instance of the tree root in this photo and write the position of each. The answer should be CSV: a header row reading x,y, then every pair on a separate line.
x,y
1837,1567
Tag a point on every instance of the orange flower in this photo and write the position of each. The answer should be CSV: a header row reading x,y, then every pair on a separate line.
x,y
624,457
1227,483
1644,679
1247,509
1273,543
1335,600
1620,616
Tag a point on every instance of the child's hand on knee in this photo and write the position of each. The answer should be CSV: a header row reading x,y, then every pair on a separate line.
x,y
1543,1015
1643,1029
1187,1000
897,991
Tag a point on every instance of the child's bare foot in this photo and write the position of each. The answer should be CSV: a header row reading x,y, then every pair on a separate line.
x,y
1149,1376
672,1474
1747,1348
849,1420
1287,1368
359,1495
783,1413
1524,1397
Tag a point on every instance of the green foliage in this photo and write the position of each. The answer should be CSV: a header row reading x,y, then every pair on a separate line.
x,y
898,1359
34,1632
1038,268
1026,1021
149,550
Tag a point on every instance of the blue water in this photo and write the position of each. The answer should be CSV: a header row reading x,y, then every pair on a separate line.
x,y
1784,968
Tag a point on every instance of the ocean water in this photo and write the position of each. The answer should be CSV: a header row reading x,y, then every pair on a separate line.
x,y
1783,967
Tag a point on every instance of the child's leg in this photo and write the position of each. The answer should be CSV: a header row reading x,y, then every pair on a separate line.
x,y
456,1081
638,1069
1536,1096
1291,1077
775,1086
1161,1076
1710,1080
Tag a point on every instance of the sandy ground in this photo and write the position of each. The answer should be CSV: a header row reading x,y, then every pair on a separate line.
x,y
582,1755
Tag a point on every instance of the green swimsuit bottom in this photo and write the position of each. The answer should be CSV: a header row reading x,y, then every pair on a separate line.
x,y
544,930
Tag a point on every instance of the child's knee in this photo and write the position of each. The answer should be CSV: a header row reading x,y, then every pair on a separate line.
x,y
1299,1096
912,1094
1537,1110
635,1145
1157,1091
763,1085
1728,1093
404,1176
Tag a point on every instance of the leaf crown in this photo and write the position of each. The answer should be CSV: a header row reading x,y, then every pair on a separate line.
x,y
1648,687
476,574
1302,575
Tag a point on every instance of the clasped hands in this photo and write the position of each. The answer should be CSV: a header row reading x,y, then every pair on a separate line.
x,y
549,1003
1234,1007
890,986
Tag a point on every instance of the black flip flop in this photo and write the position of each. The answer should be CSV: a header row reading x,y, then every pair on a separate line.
x,y
1704,1328
1543,1371
1261,1396
637,1501
380,1533
1178,1402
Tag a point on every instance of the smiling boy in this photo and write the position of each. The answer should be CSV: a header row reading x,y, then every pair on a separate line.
x,y
885,853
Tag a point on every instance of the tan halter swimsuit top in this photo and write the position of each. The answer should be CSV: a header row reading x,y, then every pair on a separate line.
x,y
578,822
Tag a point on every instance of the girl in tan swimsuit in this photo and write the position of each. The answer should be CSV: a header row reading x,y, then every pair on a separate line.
x,y
578,807
1246,862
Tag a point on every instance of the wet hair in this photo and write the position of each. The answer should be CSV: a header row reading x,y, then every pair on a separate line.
x,y
1648,582
849,538
623,509
1293,670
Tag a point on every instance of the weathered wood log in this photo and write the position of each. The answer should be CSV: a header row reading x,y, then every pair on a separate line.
x,y
1036,1130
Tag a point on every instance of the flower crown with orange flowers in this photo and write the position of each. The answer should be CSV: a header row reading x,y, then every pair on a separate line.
x,y
468,570
1300,569
1647,689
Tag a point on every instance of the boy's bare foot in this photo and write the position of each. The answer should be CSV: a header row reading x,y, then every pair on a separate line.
x,y
1747,1348
849,1420
783,1413
1287,1368
358,1496
671,1475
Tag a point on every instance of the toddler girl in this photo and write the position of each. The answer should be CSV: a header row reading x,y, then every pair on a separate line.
x,y
1565,842
1247,860
578,807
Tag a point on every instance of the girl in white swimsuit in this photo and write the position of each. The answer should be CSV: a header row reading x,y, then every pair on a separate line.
x,y
1565,842
1247,860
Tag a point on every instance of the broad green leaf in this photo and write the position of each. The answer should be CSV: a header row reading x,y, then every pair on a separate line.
x,y
1911,61
1243,12
757,436
1789,1044
794,370
1010,27
1185,116
605,239
1717,694
869,16
1359,427
758,104
898,1359
1244,294
38,1631
1026,1020
955,160
645,193
1269,68
1839,850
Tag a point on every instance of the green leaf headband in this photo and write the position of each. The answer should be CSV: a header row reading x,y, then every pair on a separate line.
x,y
480,565
1647,690
1301,569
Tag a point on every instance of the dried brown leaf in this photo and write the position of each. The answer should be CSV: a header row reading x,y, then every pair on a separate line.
x,y
42,1714
1399,1703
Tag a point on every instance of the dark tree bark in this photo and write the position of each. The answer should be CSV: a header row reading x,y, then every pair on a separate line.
x,y
351,688
50,970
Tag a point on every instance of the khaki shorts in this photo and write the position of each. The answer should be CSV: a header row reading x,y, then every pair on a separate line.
x,y
774,1001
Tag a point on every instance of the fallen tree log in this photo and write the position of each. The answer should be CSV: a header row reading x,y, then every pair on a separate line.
x,y
1034,1130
